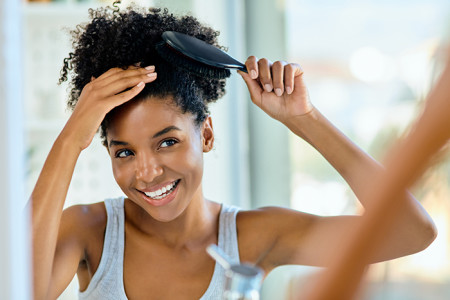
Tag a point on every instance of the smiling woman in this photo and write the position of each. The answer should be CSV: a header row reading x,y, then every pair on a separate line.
x,y
158,141
154,121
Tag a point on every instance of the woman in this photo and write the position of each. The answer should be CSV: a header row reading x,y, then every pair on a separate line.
x,y
154,123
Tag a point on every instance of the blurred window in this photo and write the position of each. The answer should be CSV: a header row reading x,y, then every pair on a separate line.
x,y
368,65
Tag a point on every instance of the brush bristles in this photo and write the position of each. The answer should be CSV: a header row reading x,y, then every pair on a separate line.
x,y
180,60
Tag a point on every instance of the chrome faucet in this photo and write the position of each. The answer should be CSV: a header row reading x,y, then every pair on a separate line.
x,y
243,281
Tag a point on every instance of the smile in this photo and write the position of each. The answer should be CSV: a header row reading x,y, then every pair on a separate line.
x,y
163,192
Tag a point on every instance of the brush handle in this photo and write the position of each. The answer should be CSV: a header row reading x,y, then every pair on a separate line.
x,y
243,68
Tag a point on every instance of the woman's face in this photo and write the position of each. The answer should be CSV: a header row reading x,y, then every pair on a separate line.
x,y
157,155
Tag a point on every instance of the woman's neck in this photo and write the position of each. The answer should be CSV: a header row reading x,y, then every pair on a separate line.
x,y
195,226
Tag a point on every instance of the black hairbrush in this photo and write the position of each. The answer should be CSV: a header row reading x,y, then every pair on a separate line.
x,y
196,56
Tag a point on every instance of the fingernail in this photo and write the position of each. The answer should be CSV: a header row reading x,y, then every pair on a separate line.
x,y
150,68
288,90
141,84
278,92
268,87
253,74
151,74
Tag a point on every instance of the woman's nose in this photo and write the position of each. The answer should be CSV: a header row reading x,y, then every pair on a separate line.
x,y
148,168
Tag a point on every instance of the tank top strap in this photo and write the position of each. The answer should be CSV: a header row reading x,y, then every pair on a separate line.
x,y
107,282
227,241
228,233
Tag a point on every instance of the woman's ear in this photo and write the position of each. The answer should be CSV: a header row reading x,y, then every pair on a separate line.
x,y
207,135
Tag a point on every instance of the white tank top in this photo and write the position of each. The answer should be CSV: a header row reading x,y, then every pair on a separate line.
x,y
107,282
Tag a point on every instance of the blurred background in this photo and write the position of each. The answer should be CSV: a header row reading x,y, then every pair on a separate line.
x,y
368,65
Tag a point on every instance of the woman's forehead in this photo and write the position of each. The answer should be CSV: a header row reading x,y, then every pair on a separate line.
x,y
149,114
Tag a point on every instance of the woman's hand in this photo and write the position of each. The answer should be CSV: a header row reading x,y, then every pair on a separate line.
x,y
101,95
277,88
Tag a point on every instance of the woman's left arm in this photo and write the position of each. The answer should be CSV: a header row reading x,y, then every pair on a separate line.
x,y
279,90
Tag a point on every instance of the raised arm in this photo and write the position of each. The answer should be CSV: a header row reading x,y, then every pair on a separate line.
x,y
56,252
408,160
279,90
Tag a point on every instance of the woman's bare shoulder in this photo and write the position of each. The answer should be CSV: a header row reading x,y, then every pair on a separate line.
x,y
84,220
260,230
265,215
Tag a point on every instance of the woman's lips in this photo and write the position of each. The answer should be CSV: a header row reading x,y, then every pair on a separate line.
x,y
165,198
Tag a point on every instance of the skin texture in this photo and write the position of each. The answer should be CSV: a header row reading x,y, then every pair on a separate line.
x,y
165,245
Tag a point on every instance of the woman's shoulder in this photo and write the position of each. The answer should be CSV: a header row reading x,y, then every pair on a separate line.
x,y
85,221
271,214
84,226
259,230
273,219
88,214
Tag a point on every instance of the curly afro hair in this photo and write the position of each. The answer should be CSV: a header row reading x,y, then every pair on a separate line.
x,y
116,38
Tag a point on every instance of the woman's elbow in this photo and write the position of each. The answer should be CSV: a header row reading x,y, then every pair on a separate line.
x,y
428,234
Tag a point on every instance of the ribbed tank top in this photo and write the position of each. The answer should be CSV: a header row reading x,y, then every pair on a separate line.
x,y
107,282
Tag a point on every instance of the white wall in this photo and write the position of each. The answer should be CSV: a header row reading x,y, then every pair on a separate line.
x,y
14,260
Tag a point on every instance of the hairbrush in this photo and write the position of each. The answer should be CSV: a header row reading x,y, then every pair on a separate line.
x,y
196,56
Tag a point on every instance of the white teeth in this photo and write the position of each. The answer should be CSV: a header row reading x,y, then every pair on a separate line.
x,y
159,194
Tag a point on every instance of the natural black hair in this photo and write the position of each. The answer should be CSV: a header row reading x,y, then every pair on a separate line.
x,y
120,38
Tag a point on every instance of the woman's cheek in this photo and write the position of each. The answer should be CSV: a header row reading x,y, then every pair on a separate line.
x,y
120,173
192,158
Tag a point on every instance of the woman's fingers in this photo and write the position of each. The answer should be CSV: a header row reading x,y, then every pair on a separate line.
x,y
118,70
116,86
114,74
278,89
120,80
278,78
125,82
108,73
123,97
290,71
253,87
252,67
265,76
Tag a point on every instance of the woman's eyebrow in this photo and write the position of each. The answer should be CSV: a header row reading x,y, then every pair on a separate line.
x,y
117,143
159,133
165,130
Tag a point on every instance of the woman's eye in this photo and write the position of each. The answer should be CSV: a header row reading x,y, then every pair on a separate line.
x,y
123,153
168,143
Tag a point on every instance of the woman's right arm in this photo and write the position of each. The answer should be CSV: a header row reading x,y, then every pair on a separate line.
x,y
98,97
